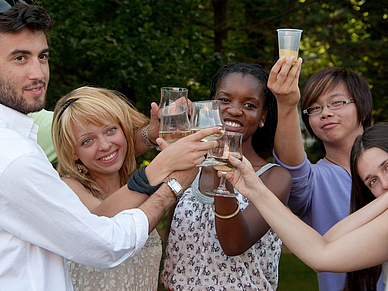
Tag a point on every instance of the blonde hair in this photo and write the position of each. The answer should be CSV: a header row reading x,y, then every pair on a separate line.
x,y
93,105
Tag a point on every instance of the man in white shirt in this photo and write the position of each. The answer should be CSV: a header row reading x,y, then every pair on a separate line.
x,y
41,220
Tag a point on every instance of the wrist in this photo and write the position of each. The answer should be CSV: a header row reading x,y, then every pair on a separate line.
x,y
174,186
147,141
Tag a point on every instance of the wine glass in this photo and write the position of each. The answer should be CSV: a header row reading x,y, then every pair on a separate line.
x,y
229,144
174,122
205,114
173,95
173,114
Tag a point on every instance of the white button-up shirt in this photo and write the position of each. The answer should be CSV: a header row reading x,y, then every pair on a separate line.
x,y
42,221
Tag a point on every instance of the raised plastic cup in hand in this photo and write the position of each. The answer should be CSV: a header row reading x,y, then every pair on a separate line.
x,y
289,40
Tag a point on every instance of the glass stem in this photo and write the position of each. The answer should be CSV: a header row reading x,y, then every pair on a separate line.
x,y
222,183
210,153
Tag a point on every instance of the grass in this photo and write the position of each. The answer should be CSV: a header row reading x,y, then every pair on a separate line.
x,y
294,275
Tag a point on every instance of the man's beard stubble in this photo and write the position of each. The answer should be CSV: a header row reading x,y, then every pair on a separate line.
x,y
10,98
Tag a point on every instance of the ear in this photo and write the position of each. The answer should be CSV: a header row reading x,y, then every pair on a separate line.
x,y
264,115
75,157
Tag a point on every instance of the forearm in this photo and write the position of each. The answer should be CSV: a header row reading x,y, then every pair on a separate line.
x,y
157,205
288,144
358,218
122,199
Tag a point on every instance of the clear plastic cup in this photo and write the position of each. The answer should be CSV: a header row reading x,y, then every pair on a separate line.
x,y
289,40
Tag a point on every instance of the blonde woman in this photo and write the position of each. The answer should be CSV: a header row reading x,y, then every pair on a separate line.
x,y
94,136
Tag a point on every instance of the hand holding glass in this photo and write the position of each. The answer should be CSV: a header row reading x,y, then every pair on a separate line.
x,y
289,40
229,144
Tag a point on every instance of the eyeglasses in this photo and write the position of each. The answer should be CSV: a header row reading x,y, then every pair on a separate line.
x,y
5,5
313,110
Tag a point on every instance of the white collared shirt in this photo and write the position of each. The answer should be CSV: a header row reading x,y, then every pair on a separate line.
x,y
42,221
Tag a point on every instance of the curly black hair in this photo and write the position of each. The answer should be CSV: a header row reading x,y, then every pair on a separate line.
x,y
263,138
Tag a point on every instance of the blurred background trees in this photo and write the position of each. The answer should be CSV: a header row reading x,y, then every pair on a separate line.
x,y
138,46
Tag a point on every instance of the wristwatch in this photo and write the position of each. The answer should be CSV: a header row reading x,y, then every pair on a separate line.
x,y
174,186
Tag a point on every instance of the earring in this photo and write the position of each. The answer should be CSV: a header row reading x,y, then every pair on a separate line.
x,y
81,168
262,124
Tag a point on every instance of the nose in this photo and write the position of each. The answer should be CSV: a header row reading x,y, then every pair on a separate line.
x,y
104,144
384,183
36,70
234,110
326,112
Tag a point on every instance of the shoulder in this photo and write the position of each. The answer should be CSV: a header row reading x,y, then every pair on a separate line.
x,y
277,172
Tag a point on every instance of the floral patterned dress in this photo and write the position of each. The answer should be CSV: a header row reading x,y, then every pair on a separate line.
x,y
194,259
138,273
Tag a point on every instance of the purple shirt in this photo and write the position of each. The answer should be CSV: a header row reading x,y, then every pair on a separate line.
x,y
320,196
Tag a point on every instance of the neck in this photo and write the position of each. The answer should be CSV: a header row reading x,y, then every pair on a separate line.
x,y
108,183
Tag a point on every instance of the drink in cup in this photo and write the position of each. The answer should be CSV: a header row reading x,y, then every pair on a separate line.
x,y
289,40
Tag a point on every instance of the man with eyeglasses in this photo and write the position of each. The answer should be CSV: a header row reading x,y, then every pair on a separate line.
x,y
42,221
336,107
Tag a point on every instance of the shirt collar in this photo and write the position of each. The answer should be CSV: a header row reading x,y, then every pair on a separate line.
x,y
18,121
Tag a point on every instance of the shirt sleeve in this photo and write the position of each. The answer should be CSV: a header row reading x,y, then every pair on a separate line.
x,y
38,207
302,186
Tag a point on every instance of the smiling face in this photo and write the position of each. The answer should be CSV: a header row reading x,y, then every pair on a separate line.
x,y
241,103
372,166
24,70
101,149
333,126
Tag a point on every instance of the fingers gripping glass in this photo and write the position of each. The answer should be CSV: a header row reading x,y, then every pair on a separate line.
x,y
5,5
312,110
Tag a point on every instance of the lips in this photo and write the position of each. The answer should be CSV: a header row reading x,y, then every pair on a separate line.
x,y
328,125
35,90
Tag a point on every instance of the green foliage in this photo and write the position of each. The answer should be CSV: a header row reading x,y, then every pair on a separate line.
x,y
138,46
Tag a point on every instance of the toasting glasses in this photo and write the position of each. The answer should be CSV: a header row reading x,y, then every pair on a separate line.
x,y
206,114
173,113
229,144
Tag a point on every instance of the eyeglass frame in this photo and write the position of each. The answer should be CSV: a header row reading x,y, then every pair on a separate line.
x,y
343,102
4,5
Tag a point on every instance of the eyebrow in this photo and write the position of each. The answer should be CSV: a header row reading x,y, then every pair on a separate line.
x,y
90,133
27,52
379,166
229,94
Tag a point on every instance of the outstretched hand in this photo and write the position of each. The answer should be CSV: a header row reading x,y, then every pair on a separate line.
x,y
283,81
189,151
244,179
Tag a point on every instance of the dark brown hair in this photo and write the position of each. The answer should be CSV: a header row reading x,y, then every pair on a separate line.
x,y
329,78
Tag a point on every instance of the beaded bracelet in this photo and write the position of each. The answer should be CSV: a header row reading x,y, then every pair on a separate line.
x,y
146,139
227,216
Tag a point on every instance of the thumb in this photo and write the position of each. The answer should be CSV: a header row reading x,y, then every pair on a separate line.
x,y
161,143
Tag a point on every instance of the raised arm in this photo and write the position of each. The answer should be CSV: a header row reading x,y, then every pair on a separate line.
x,y
360,248
283,82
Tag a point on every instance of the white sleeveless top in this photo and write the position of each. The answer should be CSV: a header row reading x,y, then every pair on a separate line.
x,y
194,259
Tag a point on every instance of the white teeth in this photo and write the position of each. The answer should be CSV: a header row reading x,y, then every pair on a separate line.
x,y
109,157
232,124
